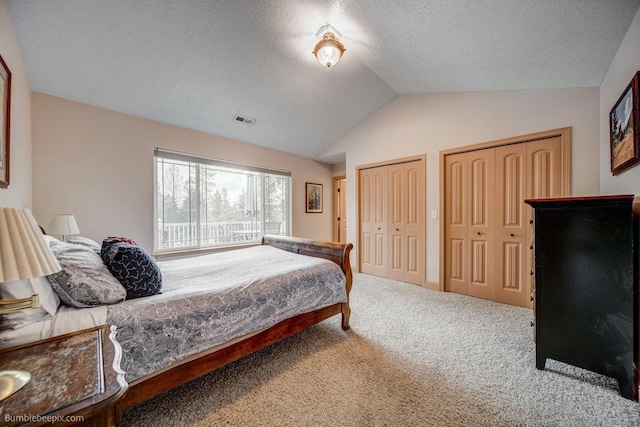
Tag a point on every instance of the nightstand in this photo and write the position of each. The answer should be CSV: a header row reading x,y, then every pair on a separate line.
x,y
75,378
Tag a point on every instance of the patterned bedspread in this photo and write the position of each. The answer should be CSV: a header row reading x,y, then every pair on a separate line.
x,y
211,299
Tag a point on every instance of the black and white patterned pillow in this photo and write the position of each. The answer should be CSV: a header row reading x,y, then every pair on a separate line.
x,y
133,267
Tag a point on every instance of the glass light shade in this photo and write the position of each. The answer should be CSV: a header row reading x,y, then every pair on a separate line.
x,y
329,50
23,252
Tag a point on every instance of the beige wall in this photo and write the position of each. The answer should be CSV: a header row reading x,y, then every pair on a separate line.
x,y
98,165
416,124
19,192
624,66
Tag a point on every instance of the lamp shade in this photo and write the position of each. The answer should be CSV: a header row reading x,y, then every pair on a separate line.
x,y
63,225
23,252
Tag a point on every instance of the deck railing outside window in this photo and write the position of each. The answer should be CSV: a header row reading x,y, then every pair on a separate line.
x,y
183,235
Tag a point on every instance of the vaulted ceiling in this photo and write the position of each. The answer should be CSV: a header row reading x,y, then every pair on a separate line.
x,y
198,63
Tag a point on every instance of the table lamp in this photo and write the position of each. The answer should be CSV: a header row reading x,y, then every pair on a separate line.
x,y
63,225
23,255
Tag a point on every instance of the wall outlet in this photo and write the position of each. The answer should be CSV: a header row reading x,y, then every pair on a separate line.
x,y
434,214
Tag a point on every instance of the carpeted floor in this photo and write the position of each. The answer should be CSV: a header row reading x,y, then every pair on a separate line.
x,y
413,357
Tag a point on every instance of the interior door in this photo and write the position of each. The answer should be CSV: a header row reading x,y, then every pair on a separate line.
x,y
544,172
373,205
406,222
414,222
481,219
340,210
397,219
511,230
487,228
456,273
366,221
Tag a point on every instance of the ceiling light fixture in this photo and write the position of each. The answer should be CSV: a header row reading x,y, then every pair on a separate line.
x,y
328,50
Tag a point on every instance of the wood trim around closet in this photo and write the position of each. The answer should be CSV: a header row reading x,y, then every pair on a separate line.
x,y
422,157
565,141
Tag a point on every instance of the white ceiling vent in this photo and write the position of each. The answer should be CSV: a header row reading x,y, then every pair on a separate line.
x,y
247,121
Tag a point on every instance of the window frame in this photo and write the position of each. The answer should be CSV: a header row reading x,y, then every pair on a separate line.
x,y
215,162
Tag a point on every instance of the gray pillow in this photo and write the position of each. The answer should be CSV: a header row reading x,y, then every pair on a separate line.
x,y
84,280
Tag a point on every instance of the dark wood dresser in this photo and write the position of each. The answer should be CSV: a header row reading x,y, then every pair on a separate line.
x,y
586,285
75,378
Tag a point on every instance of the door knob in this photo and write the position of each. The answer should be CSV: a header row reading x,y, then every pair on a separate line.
x,y
512,235
397,229
530,221
479,233
531,298
379,228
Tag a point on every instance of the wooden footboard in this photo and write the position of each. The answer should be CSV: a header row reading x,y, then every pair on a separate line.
x,y
155,384
336,252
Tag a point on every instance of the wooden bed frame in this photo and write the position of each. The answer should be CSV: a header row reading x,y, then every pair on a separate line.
x,y
154,384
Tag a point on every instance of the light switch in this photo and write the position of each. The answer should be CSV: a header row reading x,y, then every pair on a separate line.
x,y
434,214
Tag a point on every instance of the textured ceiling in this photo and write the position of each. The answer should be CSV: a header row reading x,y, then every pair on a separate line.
x,y
196,64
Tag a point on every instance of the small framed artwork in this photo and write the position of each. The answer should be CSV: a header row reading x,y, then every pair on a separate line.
x,y
314,198
5,109
624,129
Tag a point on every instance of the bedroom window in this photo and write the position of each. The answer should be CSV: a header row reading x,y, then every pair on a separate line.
x,y
207,202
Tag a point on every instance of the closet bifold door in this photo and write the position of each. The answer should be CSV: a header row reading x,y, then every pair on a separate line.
x,y
456,247
406,222
414,227
524,171
511,230
373,223
481,219
397,220
470,220
487,244
544,181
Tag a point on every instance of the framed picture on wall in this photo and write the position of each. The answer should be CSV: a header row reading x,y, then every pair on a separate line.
x,y
624,129
5,109
314,198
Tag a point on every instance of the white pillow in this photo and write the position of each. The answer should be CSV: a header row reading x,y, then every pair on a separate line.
x,y
48,239
48,297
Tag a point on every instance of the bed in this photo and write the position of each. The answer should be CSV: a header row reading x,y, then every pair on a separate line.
x,y
159,380
217,308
